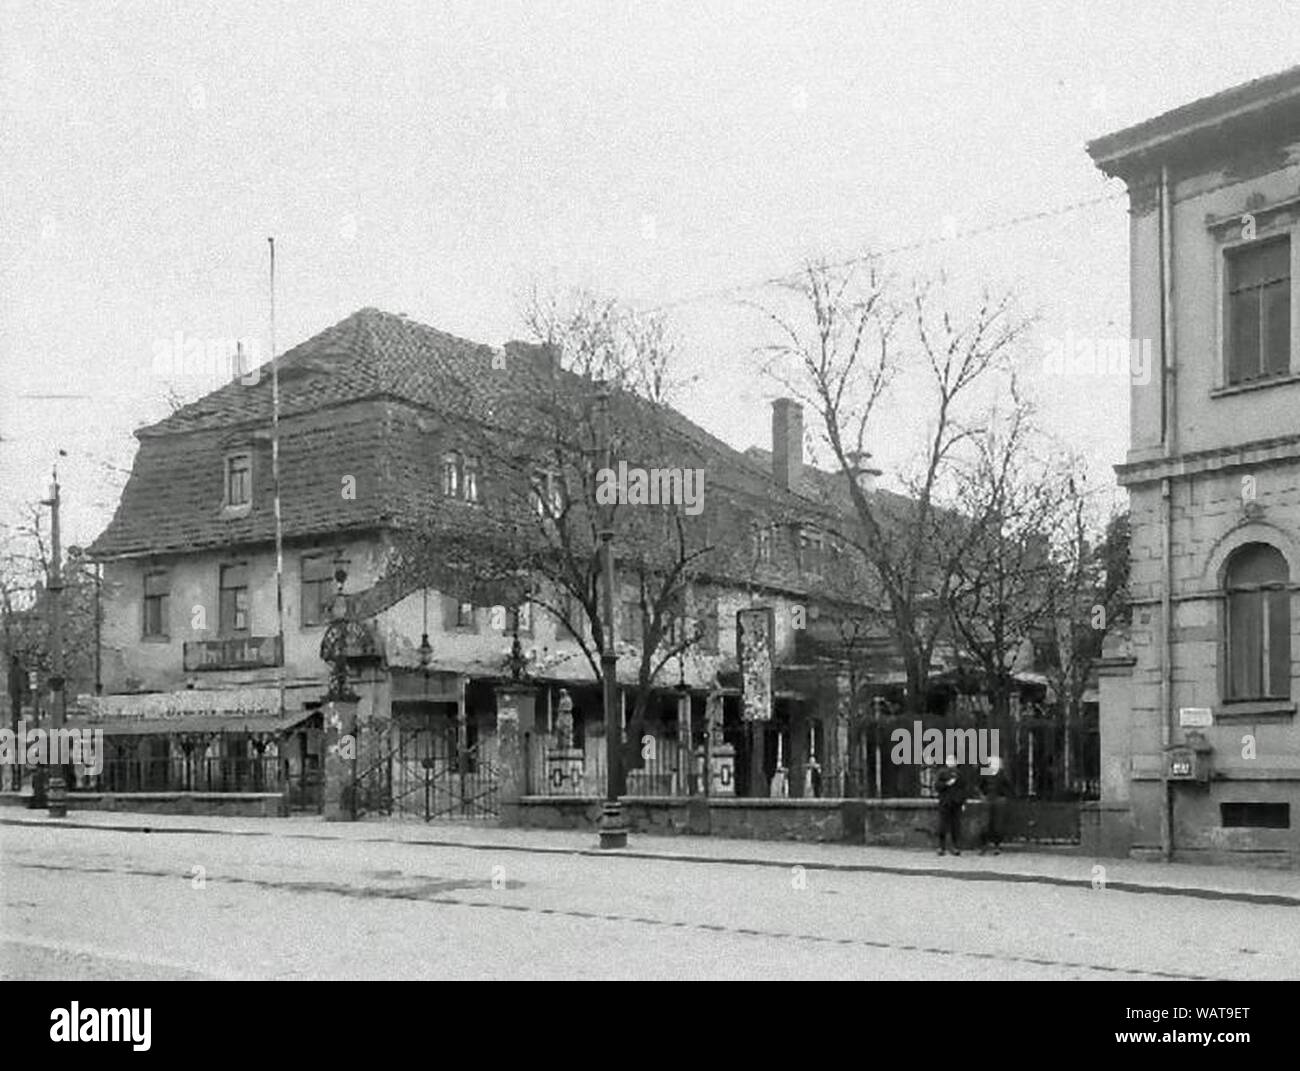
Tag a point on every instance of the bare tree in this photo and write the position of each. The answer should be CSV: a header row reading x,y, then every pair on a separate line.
x,y
589,397
1015,497
839,353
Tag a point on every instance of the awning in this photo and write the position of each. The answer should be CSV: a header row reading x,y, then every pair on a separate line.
x,y
193,710
191,724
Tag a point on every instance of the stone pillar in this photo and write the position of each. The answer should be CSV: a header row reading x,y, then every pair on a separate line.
x,y
798,757
341,745
758,783
685,762
838,759
516,707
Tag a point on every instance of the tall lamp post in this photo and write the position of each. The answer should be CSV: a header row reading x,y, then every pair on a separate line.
x,y
613,831
58,794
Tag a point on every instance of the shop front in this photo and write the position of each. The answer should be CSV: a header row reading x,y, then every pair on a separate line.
x,y
235,740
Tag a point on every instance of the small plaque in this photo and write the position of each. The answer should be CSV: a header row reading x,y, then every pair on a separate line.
x,y
1195,717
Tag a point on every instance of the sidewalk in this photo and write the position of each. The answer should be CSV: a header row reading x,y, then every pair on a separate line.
x,y
1278,887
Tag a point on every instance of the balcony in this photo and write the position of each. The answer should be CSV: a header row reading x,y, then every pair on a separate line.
x,y
239,652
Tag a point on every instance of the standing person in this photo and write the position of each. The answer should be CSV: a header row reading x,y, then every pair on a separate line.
x,y
951,799
997,788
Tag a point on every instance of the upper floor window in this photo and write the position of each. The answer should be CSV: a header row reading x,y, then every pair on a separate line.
x,y
460,476
547,494
763,545
812,548
239,479
317,589
233,607
157,595
1258,624
1258,314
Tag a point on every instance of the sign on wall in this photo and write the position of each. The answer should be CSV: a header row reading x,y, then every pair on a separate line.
x,y
755,639
243,652
232,702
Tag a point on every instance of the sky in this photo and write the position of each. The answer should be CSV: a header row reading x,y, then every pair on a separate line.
x,y
438,160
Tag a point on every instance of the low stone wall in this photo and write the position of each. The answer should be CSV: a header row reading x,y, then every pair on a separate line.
x,y
234,804
905,823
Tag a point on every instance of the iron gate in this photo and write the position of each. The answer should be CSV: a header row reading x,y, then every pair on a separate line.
x,y
432,778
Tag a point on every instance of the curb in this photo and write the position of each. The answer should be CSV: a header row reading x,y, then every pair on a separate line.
x,y
1137,887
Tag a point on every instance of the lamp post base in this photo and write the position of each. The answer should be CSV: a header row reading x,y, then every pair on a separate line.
x,y
58,796
613,831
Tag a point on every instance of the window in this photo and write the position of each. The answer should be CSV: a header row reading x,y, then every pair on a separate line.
x,y
763,545
469,479
234,600
317,589
811,549
708,624
458,614
460,476
1258,314
157,592
1255,815
451,475
547,494
239,480
1258,624
632,625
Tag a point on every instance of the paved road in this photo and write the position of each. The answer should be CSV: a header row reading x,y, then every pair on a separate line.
x,y
85,903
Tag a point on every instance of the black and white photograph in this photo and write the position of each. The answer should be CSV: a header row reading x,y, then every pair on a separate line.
x,y
626,491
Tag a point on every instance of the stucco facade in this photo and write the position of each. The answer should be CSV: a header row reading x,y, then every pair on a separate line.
x,y
1213,476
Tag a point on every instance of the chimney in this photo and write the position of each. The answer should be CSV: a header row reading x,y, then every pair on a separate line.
x,y
787,443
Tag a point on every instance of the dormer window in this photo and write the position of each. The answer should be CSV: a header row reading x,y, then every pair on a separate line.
x,y
452,467
547,494
1258,313
460,476
812,548
239,480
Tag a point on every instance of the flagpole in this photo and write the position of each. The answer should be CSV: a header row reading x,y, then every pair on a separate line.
x,y
275,482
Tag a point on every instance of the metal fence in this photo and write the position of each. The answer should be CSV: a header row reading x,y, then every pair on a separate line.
x,y
188,774
1043,759
583,771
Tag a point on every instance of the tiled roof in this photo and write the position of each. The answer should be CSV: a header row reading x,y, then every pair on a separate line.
x,y
351,404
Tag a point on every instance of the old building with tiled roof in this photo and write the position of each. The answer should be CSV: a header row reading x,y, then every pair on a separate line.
x,y
370,409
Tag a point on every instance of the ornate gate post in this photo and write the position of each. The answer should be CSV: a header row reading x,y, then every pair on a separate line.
x,y
516,704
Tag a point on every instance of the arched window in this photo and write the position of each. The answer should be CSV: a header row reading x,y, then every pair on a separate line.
x,y
1259,624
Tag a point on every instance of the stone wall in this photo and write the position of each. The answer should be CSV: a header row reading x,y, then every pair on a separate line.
x,y
903,823
231,804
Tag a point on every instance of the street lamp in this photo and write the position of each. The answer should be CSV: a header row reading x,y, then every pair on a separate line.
x,y
425,650
613,832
